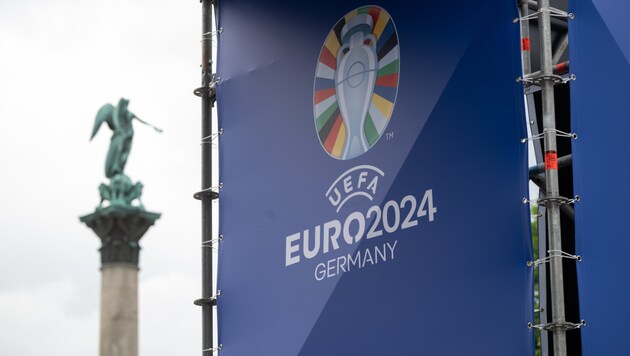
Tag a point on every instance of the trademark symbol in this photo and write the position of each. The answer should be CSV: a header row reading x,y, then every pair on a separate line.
x,y
389,135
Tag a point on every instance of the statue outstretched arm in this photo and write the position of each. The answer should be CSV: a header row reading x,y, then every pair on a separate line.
x,y
148,124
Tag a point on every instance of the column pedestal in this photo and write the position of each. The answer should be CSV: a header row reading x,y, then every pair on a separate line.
x,y
120,229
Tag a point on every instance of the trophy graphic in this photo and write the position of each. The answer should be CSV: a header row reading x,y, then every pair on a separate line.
x,y
355,77
356,82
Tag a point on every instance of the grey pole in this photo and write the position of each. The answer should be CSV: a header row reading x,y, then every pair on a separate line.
x,y
206,195
206,178
553,210
525,42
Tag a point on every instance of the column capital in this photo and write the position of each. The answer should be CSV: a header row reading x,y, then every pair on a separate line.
x,y
120,229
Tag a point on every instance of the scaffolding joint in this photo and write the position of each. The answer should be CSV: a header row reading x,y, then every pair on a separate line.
x,y
558,325
539,79
557,200
209,90
208,193
212,301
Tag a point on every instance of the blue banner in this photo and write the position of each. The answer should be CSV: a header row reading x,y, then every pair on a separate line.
x,y
599,53
372,176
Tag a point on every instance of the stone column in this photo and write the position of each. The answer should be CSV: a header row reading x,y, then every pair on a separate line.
x,y
119,310
120,229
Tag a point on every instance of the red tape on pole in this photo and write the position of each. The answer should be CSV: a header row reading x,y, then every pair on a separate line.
x,y
551,160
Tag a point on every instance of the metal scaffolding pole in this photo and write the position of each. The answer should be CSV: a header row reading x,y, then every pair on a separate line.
x,y
207,194
564,44
525,41
551,174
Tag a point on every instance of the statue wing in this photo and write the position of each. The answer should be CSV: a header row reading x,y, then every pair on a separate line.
x,y
105,114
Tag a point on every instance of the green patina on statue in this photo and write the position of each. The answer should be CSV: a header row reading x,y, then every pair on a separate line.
x,y
120,220
121,191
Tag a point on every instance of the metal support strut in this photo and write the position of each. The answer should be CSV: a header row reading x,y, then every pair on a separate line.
x,y
207,94
551,175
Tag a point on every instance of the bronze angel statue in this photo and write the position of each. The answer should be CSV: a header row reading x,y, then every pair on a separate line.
x,y
119,119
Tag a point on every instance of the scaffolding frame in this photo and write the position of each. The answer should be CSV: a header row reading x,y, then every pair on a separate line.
x,y
545,174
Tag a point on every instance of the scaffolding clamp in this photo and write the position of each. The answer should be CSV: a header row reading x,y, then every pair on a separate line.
x,y
564,326
211,193
212,301
539,79
558,200
553,200
209,90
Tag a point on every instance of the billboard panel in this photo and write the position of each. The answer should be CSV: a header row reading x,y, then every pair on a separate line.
x,y
599,53
372,176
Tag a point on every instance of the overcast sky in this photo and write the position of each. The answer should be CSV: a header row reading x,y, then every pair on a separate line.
x,y
59,62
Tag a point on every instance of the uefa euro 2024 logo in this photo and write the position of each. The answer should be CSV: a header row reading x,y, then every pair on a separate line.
x,y
356,82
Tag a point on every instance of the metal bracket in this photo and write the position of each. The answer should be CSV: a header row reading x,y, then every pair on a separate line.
x,y
540,78
209,35
558,200
552,13
212,301
212,243
564,326
210,139
214,349
554,254
558,133
553,200
208,193
210,90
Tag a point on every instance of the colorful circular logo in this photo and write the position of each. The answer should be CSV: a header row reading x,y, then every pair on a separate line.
x,y
356,82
